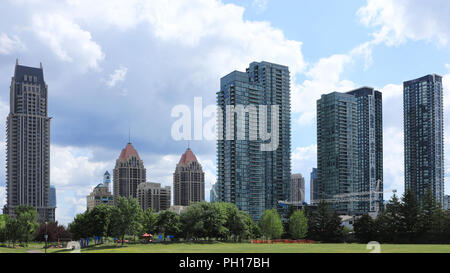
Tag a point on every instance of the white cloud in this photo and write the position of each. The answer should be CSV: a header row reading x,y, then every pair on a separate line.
x,y
118,75
260,5
325,77
402,20
9,45
67,40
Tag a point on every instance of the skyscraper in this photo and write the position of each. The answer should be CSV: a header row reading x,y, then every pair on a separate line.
x,y
297,188
370,149
28,143
337,148
188,180
424,136
129,172
248,176
313,191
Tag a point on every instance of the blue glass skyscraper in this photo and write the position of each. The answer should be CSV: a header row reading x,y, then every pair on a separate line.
x,y
253,179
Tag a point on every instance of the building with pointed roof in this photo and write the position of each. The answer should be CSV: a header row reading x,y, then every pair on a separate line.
x,y
188,180
128,173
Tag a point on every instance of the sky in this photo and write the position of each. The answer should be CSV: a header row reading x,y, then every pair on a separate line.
x,y
116,66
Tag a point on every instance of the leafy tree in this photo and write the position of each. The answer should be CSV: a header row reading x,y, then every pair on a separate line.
x,y
298,225
3,220
168,223
27,223
364,228
80,228
125,218
54,231
98,220
270,224
13,232
149,220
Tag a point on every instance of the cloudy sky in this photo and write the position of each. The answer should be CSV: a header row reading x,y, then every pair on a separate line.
x,y
112,65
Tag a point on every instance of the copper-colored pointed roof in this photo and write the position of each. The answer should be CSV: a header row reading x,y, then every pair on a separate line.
x,y
129,151
187,157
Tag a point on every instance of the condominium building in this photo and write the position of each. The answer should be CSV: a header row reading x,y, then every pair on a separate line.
x,y
28,144
152,195
424,136
100,195
52,197
188,180
297,189
337,148
129,172
253,178
350,150
446,203
370,150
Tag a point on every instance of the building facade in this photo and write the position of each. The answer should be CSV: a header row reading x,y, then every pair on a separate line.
x,y
28,144
188,180
370,150
52,197
250,177
313,191
446,203
152,195
100,195
337,148
297,188
424,136
129,172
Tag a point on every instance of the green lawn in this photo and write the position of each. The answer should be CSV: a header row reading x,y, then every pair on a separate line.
x,y
245,248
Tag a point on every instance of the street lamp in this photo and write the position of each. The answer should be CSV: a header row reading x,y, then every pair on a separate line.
x,y
46,237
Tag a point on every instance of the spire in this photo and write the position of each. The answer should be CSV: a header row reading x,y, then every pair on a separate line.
x,y
187,157
17,61
40,64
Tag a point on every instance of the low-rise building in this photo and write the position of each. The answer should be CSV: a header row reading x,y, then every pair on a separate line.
x,y
446,203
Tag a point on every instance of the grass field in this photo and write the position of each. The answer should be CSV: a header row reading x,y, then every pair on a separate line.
x,y
241,248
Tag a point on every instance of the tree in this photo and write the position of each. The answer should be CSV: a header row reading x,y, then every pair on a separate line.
x,y
168,223
27,223
79,228
409,211
98,220
388,223
3,220
149,219
364,229
324,225
298,225
270,224
54,231
125,218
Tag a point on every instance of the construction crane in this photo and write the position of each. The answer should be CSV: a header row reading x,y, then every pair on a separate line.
x,y
373,196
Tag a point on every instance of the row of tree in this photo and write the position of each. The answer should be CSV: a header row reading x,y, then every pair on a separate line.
x,y
25,228
406,221
201,221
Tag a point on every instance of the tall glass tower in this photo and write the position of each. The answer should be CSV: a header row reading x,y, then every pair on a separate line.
x,y
249,177
424,136
28,144
337,148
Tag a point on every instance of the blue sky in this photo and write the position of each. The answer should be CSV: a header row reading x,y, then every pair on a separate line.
x,y
119,64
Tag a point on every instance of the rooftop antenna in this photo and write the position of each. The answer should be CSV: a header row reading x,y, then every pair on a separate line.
x,y
129,135
189,144
40,64
17,61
